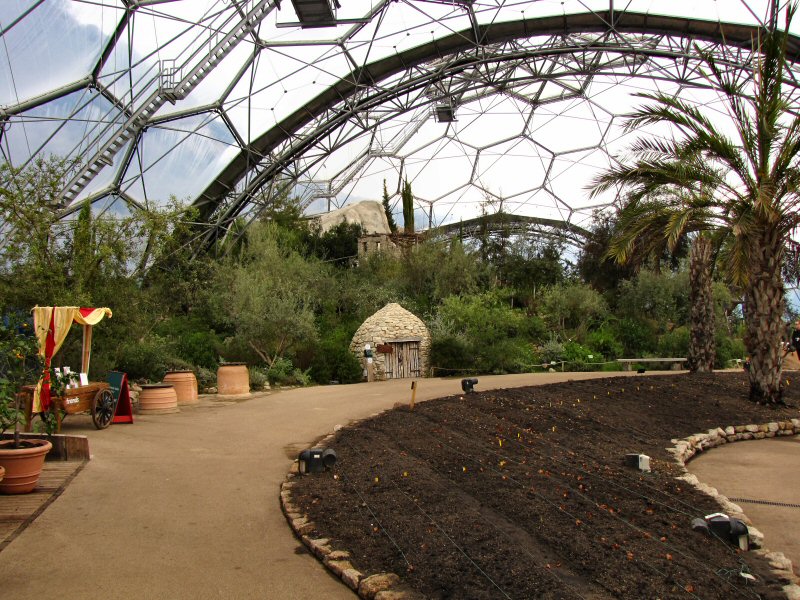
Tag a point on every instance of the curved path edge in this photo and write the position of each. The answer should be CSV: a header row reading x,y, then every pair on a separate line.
x,y
685,449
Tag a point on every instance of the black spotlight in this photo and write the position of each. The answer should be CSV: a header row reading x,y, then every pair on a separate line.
x,y
316,460
468,384
725,528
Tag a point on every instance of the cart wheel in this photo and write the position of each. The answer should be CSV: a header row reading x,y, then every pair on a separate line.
x,y
103,408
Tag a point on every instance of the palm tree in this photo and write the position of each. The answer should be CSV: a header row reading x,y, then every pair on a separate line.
x,y
649,222
754,178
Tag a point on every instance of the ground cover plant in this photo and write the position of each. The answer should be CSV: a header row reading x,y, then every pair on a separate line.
x,y
522,493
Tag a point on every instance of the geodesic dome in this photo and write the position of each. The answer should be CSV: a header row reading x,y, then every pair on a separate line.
x,y
483,106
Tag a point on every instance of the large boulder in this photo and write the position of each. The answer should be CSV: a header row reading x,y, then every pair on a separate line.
x,y
367,213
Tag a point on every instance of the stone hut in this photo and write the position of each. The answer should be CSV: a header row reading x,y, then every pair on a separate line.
x,y
399,341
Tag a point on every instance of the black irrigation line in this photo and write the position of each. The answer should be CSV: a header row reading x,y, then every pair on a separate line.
x,y
712,568
766,502
522,486
620,472
441,530
374,516
451,540
438,483
744,566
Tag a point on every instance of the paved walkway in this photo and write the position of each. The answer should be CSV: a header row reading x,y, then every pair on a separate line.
x,y
186,505
767,471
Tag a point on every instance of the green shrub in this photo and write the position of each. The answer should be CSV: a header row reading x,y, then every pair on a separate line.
x,y
194,341
258,378
283,372
577,357
206,378
510,355
550,352
280,373
605,342
637,337
451,355
334,362
145,359
728,349
200,348
675,342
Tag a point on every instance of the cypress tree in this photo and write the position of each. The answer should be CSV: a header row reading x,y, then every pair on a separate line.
x,y
408,208
388,210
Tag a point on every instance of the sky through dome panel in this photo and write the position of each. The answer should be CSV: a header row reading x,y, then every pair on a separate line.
x,y
179,157
37,58
56,126
518,99
513,167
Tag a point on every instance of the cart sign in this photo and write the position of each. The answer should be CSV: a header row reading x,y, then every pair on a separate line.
x,y
118,382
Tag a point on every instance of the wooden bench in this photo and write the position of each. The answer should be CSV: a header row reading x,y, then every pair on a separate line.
x,y
674,363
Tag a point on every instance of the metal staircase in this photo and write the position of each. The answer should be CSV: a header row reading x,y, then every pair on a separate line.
x,y
167,90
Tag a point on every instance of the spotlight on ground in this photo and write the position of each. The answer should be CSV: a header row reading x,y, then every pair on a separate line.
x,y
316,460
468,384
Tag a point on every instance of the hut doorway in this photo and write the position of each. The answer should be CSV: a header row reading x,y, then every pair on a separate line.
x,y
402,359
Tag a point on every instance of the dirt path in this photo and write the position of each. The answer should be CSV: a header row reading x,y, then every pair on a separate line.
x,y
186,505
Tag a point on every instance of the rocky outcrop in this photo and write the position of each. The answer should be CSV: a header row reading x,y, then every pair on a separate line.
x,y
367,213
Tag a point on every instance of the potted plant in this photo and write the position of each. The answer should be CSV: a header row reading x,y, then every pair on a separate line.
x,y
22,459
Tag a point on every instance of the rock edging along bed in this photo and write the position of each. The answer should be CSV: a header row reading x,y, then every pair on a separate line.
x,y
377,586
389,586
686,448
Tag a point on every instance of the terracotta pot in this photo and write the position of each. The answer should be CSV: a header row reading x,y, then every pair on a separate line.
x,y
158,399
2,472
233,378
185,384
23,466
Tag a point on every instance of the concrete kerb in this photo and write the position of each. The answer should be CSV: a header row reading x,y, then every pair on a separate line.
x,y
686,448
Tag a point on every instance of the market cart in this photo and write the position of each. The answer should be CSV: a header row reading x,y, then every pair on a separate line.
x,y
95,398
52,324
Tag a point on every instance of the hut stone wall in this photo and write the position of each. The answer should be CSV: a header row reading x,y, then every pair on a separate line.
x,y
396,332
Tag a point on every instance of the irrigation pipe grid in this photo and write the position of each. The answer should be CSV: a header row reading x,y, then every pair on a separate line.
x,y
720,572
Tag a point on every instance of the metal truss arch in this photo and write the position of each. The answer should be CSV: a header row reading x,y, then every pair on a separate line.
x,y
584,45
216,101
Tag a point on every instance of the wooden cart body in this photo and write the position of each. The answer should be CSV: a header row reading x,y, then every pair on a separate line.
x,y
96,398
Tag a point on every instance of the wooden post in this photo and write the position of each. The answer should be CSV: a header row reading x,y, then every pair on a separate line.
x,y
413,394
370,370
87,348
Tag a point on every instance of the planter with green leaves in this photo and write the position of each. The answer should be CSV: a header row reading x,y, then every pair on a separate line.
x,y
22,459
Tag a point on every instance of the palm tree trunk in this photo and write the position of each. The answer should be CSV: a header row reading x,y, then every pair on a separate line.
x,y
764,317
701,344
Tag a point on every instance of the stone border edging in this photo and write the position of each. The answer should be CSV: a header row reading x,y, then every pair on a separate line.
x,y
377,586
686,448
388,586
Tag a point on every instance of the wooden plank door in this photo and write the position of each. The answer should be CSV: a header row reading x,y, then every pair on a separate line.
x,y
403,361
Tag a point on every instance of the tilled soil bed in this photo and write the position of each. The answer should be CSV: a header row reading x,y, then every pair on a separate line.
x,y
522,493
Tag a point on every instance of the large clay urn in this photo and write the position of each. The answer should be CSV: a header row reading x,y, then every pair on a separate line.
x,y
232,379
185,384
158,399
23,465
